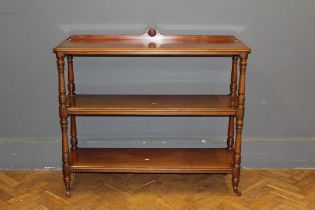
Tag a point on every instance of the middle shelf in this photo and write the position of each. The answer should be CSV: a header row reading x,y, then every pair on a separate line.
x,y
159,105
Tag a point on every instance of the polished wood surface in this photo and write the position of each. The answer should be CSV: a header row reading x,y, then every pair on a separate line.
x,y
153,105
239,124
262,190
157,44
152,43
157,160
233,89
63,122
71,93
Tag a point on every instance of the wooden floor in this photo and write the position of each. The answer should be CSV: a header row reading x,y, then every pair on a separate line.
x,y
262,189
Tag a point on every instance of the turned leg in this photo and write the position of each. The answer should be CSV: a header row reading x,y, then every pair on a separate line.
x,y
63,123
74,140
237,156
233,89
230,140
71,94
239,125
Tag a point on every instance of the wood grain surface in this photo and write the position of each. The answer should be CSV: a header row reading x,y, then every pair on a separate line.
x,y
157,44
206,105
153,160
262,190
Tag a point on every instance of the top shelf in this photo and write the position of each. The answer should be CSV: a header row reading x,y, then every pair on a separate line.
x,y
152,43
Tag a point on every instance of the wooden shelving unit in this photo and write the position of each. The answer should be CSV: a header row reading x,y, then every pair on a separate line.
x,y
157,160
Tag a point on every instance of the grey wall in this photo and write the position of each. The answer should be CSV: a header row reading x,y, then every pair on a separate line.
x,y
280,88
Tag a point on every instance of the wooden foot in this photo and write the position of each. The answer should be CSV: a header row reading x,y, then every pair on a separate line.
x,y
67,180
235,182
67,183
237,192
67,193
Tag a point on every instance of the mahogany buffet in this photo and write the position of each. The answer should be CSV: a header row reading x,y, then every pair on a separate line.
x,y
154,160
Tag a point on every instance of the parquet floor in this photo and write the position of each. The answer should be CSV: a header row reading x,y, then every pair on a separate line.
x,y
262,189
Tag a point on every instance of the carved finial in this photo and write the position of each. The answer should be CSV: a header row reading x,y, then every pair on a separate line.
x,y
152,32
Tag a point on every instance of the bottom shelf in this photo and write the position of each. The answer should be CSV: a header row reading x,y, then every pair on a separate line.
x,y
156,160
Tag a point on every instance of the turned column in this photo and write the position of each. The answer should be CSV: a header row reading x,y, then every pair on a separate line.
x,y
233,89
63,122
239,124
71,94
